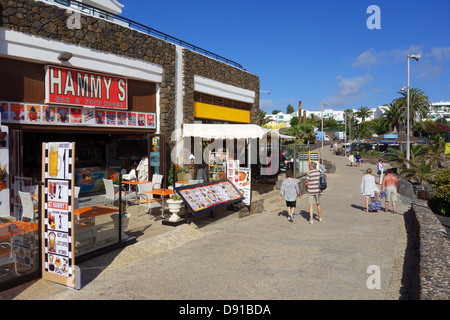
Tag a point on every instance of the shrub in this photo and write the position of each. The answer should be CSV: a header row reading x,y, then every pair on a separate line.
x,y
441,201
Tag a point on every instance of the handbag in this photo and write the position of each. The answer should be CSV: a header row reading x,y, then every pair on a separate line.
x,y
375,204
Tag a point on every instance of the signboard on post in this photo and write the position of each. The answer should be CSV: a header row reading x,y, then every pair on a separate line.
x,y
209,196
58,254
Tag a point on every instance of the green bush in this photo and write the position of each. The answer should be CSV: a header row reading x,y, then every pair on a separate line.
x,y
441,201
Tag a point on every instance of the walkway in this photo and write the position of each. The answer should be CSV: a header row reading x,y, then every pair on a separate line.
x,y
261,256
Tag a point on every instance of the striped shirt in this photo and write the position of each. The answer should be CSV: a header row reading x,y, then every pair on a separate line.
x,y
313,179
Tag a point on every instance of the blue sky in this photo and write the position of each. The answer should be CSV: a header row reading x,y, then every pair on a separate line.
x,y
314,51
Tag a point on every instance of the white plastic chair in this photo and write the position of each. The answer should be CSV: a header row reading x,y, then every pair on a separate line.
x,y
27,206
76,198
7,256
111,194
157,181
130,176
146,199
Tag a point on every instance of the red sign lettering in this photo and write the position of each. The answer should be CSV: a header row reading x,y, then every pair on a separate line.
x,y
80,88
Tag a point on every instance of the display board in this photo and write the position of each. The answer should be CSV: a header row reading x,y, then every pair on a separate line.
x,y
209,196
241,178
58,256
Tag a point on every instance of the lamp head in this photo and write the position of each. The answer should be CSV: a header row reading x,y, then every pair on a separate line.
x,y
415,56
65,56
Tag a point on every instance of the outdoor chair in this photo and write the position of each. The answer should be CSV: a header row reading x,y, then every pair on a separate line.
x,y
28,211
111,195
130,176
7,257
157,181
146,199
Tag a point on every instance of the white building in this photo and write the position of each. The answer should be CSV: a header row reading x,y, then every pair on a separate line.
x,y
439,110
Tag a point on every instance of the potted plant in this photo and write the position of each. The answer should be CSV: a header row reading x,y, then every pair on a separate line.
x,y
175,204
3,172
125,219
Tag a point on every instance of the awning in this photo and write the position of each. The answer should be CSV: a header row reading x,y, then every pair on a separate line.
x,y
223,131
281,136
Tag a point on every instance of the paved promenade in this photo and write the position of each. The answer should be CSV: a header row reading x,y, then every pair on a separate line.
x,y
262,256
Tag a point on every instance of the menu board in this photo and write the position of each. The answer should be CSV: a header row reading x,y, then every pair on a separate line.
x,y
209,196
57,228
241,178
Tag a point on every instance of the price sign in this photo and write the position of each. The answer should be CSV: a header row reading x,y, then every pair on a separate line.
x,y
58,224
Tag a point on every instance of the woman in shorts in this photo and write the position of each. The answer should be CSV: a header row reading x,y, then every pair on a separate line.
x,y
368,187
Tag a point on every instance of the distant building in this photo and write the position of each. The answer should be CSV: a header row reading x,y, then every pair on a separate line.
x,y
439,110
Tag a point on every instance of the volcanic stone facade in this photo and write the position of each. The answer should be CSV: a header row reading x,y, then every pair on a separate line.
x,y
48,21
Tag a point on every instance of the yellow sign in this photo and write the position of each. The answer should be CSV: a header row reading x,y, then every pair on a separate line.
x,y
209,111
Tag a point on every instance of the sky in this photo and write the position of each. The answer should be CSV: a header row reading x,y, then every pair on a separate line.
x,y
317,51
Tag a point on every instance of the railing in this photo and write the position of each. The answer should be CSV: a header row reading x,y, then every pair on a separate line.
x,y
93,11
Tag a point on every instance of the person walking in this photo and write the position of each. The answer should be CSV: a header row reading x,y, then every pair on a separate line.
x,y
380,171
391,187
351,158
368,187
290,191
314,193
357,158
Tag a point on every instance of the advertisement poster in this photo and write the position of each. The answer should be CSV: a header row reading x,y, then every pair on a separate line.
x,y
209,196
57,225
241,178
5,209
68,116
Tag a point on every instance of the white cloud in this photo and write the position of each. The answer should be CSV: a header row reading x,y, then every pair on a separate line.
x,y
371,58
348,90
441,54
427,71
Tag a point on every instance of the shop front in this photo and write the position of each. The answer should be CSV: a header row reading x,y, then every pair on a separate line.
x,y
112,124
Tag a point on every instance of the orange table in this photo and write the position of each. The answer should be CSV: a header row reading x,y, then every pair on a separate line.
x,y
162,193
15,228
92,213
135,183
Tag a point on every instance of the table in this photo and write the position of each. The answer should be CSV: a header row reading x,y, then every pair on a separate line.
x,y
162,193
15,228
135,183
92,213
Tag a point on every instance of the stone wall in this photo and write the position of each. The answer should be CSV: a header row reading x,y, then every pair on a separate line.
x,y
198,64
434,254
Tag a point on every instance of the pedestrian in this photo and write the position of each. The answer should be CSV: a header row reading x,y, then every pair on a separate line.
x,y
391,187
351,158
380,171
357,158
314,193
290,191
368,187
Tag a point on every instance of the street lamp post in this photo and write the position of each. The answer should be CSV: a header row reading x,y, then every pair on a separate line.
x,y
408,147
323,135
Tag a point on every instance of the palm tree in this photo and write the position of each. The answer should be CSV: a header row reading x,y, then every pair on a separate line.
x,y
314,118
419,105
304,133
418,152
263,118
363,113
392,116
